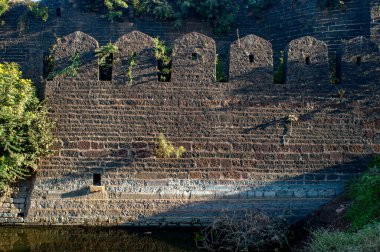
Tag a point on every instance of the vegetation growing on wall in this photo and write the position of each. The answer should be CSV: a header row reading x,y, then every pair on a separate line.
x,y
162,54
104,53
221,14
132,64
25,130
160,9
167,150
331,4
113,8
221,76
4,6
71,70
279,77
258,7
39,12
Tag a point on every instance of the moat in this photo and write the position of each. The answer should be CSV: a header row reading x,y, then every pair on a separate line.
x,y
94,239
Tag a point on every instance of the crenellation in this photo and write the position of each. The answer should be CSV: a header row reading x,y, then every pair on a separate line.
x,y
140,47
306,61
194,59
76,47
242,149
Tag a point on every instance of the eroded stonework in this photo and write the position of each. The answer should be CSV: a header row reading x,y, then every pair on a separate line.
x,y
307,61
194,59
67,47
251,59
360,62
140,47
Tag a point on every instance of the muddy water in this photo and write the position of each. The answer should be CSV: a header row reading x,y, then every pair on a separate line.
x,y
94,239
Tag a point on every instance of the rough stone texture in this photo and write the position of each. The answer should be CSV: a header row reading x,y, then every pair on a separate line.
x,y
240,152
251,59
375,21
142,46
360,62
67,47
194,59
307,61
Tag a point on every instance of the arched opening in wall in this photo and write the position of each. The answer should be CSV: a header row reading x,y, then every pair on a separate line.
x,y
251,58
48,66
58,12
307,60
105,70
358,61
96,179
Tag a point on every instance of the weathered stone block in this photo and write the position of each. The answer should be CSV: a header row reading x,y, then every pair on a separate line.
x,y
194,60
306,62
251,60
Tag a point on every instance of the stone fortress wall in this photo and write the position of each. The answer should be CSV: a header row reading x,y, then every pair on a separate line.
x,y
242,152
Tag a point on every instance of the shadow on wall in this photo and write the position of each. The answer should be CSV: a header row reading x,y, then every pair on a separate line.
x,y
193,202
194,60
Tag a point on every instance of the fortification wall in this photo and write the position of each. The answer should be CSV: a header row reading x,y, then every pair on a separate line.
x,y
25,41
242,150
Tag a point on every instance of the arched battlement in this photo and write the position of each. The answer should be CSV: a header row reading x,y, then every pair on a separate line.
x,y
360,58
135,59
74,57
307,61
194,57
251,60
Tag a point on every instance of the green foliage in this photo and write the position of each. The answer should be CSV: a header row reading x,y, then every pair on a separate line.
x,y
136,6
114,8
132,63
162,54
160,9
258,7
366,239
71,70
221,14
366,194
167,150
279,74
221,76
39,12
104,53
4,6
25,130
331,4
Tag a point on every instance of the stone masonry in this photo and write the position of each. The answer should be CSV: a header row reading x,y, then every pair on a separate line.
x,y
242,150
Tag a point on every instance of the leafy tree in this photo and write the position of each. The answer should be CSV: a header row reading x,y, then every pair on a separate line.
x,y
221,14
25,130
161,9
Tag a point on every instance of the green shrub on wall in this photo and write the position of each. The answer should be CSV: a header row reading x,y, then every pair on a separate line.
x,y
160,9
4,6
330,4
221,14
39,12
25,130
